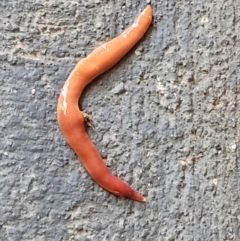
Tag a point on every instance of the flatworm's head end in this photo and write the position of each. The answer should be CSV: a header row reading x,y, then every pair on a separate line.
x,y
149,12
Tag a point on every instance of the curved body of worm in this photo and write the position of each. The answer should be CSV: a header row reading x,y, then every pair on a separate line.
x,y
71,119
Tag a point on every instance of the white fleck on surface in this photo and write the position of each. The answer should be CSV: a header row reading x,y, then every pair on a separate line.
x,y
233,147
128,31
137,52
204,20
105,47
183,163
215,181
64,94
135,24
160,87
143,12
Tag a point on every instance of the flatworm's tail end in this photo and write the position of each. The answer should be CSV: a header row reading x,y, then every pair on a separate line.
x,y
120,188
137,197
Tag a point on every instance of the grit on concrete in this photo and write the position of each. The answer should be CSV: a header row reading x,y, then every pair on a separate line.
x,y
165,120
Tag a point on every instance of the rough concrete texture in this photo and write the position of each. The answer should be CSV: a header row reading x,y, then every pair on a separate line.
x,y
165,118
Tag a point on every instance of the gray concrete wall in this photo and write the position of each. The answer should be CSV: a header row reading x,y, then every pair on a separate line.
x,y
173,134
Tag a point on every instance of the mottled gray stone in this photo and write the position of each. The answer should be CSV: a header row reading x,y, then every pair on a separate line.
x,y
172,100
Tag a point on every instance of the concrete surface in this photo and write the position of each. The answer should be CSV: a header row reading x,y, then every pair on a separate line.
x,y
166,118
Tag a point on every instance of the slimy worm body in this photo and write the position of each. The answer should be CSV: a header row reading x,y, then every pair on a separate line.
x,y
71,119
